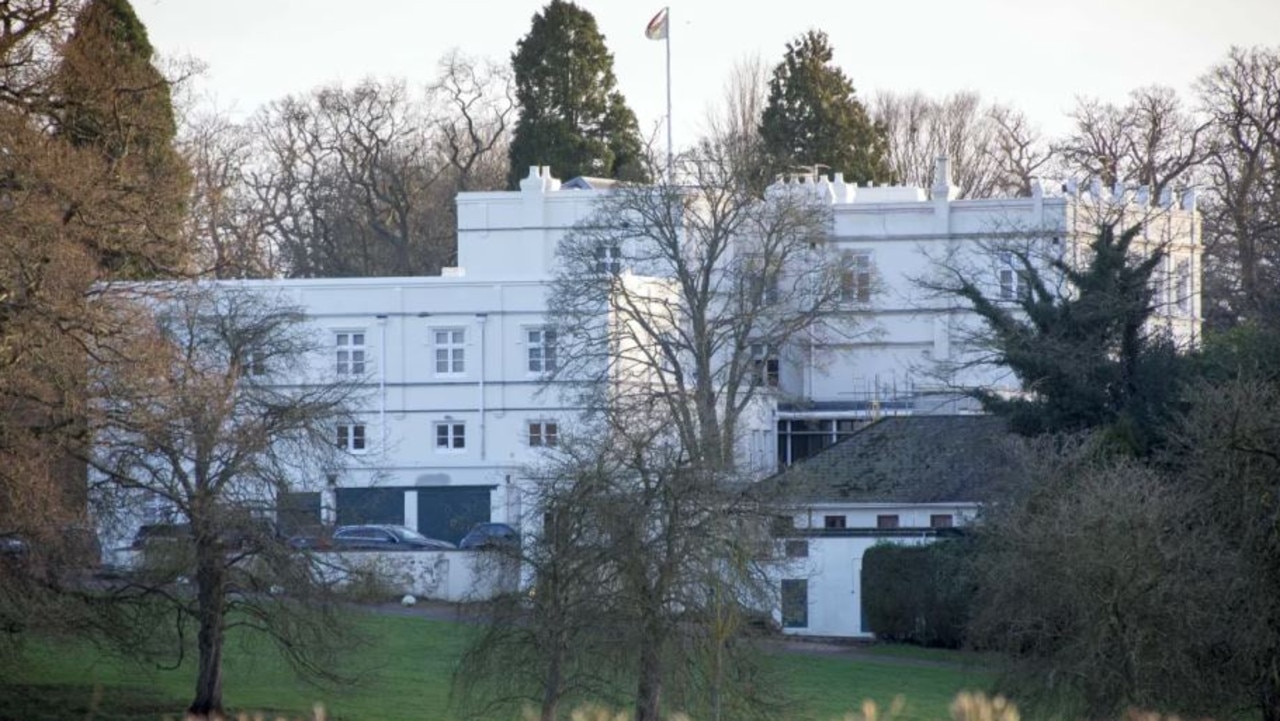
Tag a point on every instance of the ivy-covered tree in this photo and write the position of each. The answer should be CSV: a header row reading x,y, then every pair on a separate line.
x,y
1076,336
109,98
813,116
572,117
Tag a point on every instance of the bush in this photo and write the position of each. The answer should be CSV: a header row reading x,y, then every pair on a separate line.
x,y
918,594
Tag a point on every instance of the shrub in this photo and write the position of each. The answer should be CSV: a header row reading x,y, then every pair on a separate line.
x,y
918,594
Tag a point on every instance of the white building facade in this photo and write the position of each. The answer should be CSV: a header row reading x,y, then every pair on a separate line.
x,y
456,367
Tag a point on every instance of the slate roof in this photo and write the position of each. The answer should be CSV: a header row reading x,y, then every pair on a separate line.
x,y
906,459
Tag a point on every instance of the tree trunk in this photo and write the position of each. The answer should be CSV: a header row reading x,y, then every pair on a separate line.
x,y
551,689
211,607
649,689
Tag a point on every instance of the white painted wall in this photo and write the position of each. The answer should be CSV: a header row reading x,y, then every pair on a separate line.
x,y
833,567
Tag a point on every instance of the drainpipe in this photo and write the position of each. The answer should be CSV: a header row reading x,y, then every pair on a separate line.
x,y
481,318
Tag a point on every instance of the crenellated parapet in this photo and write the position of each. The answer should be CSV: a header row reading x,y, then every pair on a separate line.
x,y
835,190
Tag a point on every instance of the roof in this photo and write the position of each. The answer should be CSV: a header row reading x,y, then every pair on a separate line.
x,y
587,182
906,459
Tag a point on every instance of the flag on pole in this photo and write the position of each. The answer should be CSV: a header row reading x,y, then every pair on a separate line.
x,y
657,29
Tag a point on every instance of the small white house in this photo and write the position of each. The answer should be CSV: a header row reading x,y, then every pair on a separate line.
x,y
901,479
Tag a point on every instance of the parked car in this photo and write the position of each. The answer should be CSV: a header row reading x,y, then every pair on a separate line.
x,y
385,537
490,535
13,545
152,533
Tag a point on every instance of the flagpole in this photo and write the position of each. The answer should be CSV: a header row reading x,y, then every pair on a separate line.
x,y
670,153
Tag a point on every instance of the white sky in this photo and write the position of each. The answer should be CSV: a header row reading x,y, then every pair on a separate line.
x,y
1035,54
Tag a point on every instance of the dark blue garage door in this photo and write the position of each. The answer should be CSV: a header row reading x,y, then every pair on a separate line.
x,y
448,512
370,505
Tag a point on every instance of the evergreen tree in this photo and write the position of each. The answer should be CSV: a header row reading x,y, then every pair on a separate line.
x,y
112,100
1076,338
813,116
571,115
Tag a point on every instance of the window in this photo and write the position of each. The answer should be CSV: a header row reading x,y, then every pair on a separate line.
x,y
542,350
544,434
795,603
782,525
802,437
764,365
797,549
834,522
940,520
450,351
350,354
886,521
451,436
855,278
760,281
252,362
608,259
1182,286
351,437
1015,281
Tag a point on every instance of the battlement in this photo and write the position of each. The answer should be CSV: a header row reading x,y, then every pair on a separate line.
x,y
837,191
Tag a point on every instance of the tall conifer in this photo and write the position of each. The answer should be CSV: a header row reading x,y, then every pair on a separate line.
x,y
813,117
572,116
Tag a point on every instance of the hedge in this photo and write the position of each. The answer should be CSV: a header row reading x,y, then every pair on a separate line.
x,y
918,594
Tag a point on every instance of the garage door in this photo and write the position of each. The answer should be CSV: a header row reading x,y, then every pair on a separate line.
x,y
448,512
370,505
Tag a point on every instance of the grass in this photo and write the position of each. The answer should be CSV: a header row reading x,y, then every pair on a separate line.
x,y
407,669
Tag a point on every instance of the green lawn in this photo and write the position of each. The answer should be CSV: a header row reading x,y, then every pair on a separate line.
x,y
407,668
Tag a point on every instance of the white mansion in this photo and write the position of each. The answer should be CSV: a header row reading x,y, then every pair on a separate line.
x,y
457,364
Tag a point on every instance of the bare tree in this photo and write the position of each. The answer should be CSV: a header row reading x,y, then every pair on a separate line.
x,y
551,640
735,123
475,106
702,286
194,423
1106,618
1022,153
958,126
674,304
1241,96
1153,141
361,181
350,185
227,224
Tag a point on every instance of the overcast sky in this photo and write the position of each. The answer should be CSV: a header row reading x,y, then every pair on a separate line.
x,y
1036,55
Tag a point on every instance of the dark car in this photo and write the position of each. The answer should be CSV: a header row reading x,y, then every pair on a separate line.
x,y
13,545
385,537
490,535
152,533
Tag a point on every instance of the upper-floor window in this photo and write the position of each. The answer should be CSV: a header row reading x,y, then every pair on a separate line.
x,y
608,259
764,365
350,353
1015,280
451,436
887,521
856,277
541,344
941,520
351,437
450,347
834,522
760,280
1182,286
544,434
252,362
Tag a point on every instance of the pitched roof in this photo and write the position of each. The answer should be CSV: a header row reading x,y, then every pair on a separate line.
x,y
905,459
